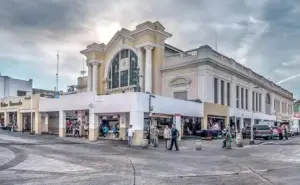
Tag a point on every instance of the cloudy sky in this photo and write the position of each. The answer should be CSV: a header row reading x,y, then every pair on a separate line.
x,y
262,34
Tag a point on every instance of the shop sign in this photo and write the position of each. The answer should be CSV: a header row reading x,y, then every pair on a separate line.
x,y
3,104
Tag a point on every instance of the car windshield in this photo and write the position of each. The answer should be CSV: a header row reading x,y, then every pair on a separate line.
x,y
262,127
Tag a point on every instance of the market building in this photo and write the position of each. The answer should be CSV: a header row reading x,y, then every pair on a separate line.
x,y
229,90
124,84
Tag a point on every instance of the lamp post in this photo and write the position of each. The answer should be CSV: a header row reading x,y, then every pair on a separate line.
x,y
150,114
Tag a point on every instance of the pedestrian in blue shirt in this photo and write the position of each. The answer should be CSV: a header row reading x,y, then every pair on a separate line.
x,y
174,135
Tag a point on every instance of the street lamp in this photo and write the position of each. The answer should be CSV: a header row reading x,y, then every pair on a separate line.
x,y
150,114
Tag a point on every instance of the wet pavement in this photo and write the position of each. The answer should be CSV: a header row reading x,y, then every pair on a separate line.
x,y
46,159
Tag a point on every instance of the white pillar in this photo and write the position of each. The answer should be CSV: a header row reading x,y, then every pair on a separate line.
x,y
178,125
95,77
62,123
141,67
263,101
46,122
233,93
90,78
136,119
148,70
250,98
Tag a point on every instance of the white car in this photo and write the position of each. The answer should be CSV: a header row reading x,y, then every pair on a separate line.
x,y
294,130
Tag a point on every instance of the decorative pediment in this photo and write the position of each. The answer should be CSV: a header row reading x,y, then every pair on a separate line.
x,y
180,81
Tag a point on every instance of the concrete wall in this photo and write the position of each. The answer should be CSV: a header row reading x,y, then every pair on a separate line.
x,y
120,103
10,86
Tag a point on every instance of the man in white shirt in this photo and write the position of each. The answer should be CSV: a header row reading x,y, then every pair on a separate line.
x,y
130,135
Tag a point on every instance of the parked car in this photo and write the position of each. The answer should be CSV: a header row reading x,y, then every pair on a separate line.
x,y
259,131
294,130
275,133
262,131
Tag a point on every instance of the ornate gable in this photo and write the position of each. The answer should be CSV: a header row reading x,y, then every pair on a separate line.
x,y
179,81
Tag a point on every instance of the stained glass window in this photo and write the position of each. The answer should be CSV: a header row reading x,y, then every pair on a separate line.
x,y
121,78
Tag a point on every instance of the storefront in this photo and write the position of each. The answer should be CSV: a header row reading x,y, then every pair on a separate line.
x,y
20,111
129,108
215,116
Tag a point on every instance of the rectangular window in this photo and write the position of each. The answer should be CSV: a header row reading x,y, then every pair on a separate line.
x,y
228,94
21,93
253,100
180,95
259,102
246,94
237,97
222,92
256,102
242,98
124,78
216,90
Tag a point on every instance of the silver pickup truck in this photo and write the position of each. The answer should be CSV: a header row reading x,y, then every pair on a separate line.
x,y
259,131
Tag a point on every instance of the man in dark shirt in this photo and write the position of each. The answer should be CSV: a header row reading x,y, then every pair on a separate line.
x,y
174,135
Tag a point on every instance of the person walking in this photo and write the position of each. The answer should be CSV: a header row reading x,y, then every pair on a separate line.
x,y
130,133
167,135
174,136
285,133
155,134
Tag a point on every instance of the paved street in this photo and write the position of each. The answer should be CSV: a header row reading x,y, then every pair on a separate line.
x,y
44,159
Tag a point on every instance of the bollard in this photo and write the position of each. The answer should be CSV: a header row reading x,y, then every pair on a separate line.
x,y
198,145
145,143
239,140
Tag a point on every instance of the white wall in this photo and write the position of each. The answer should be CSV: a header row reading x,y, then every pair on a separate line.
x,y
10,86
78,101
118,103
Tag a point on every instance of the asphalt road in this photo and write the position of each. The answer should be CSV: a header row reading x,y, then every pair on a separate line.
x,y
45,160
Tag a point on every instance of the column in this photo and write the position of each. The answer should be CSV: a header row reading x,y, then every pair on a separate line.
x,y
46,122
6,118
136,119
148,69
263,101
62,123
124,122
19,121
93,125
233,92
177,120
90,77
37,122
141,67
95,77
250,98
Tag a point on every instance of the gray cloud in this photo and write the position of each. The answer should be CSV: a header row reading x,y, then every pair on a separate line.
x,y
261,34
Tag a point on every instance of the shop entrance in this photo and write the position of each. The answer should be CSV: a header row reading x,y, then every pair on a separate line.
x,y
2,119
27,121
216,123
109,126
191,127
53,123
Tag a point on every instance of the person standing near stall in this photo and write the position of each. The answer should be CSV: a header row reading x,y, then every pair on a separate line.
x,y
174,136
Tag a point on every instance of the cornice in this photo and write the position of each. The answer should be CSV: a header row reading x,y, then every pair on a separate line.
x,y
213,63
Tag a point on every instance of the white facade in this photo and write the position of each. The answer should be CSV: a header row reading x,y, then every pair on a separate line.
x,y
10,87
206,74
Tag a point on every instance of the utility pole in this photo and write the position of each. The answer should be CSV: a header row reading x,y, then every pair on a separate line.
x,y
57,70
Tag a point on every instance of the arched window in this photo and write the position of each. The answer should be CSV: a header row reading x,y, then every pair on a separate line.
x,y
123,69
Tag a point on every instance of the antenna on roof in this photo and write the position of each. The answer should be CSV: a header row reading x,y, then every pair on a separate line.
x,y
57,68
83,71
216,40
